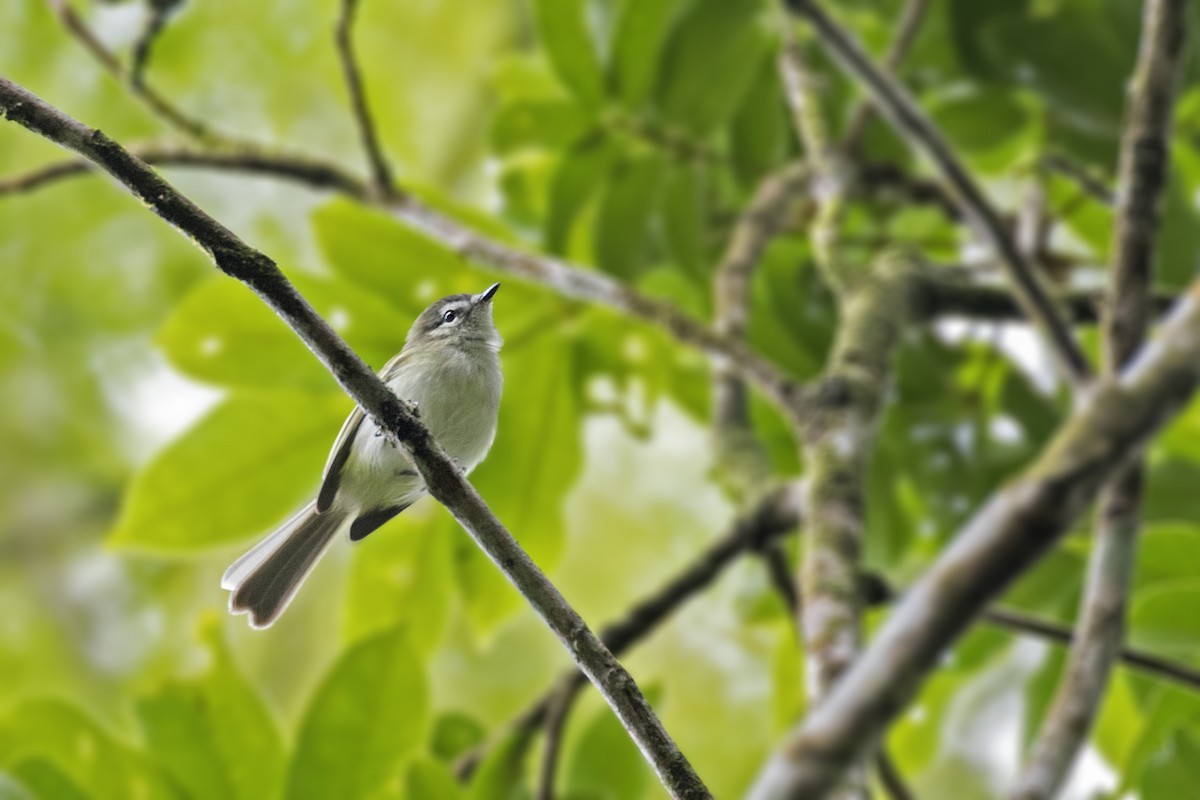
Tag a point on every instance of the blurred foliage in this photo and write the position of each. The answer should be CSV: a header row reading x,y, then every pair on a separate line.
x,y
157,417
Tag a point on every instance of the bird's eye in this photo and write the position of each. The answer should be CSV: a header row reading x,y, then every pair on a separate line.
x,y
449,316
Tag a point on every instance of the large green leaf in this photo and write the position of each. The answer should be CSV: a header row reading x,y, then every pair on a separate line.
x,y
222,333
1162,618
404,574
46,781
577,180
642,30
498,776
605,763
565,36
710,62
237,473
367,716
683,208
623,229
83,751
214,735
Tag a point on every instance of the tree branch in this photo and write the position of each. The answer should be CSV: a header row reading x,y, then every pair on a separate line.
x,y
1110,425
911,18
564,278
155,102
890,778
381,173
776,514
160,12
739,452
894,102
442,478
1145,149
849,397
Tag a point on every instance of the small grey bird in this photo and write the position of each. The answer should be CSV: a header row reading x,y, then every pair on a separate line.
x,y
449,368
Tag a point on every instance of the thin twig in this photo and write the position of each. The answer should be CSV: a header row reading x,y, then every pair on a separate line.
x,y
381,173
1088,183
776,514
911,19
890,778
894,102
158,105
553,728
1145,149
1150,664
443,479
160,12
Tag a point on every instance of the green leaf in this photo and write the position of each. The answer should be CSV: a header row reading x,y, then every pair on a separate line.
x,y
214,735
45,780
1168,551
87,754
538,125
223,333
605,763
711,60
568,44
10,789
498,776
368,714
1162,618
684,218
454,733
623,220
760,133
237,473
577,180
995,127
431,780
526,486
404,574
642,30
1174,771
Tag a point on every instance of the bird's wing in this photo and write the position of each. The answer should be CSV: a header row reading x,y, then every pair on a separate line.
x,y
331,479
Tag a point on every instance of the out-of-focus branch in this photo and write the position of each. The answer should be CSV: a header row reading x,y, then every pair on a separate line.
x,y
776,514
1090,185
553,728
890,778
160,12
893,101
739,453
1145,149
907,29
849,396
155,102
442,477
1109,426
381,173
1148,663
562,277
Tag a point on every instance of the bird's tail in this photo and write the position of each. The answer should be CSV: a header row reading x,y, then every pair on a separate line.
x,y
264,580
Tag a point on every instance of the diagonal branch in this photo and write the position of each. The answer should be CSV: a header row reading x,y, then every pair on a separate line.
x,y
893,101
381,173
1111,425
1145,149
445,483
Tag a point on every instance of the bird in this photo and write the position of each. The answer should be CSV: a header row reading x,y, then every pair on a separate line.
x,y
448,371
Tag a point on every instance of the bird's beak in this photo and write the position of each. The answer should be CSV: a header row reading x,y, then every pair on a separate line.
x,y
486,294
